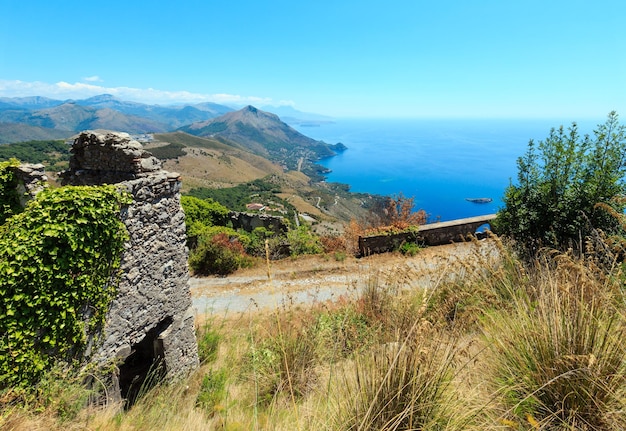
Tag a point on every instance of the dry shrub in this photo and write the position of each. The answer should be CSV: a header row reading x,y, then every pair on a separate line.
x,y
283,357
398,213
557,358
333,243
399,386
480,283
351,235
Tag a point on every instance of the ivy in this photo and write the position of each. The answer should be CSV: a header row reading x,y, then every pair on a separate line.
x,y
9,199
58,262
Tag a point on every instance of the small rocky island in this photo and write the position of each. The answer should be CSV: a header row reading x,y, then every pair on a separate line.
x,y
479,200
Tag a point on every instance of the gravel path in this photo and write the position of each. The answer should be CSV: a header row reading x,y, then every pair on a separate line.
x,y
314,279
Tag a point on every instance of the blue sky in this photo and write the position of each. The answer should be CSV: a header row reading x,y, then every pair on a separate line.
x,y
350,58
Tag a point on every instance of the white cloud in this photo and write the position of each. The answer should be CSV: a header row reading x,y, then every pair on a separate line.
x,y
94,78
80,90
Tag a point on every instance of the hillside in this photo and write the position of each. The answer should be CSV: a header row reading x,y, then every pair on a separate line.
x,y
15,132
216,163
263,133
207,162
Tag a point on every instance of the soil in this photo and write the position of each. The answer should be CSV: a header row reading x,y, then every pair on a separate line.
x,y
311,279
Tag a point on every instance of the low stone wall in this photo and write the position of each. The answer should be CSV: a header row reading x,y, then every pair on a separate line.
x,y
31,179
249,222
430,234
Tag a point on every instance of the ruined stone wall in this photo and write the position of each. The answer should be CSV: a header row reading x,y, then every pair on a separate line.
x,y
31,179
249,222
151,318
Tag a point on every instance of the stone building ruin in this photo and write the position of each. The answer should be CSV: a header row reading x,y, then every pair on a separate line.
x,y
150,322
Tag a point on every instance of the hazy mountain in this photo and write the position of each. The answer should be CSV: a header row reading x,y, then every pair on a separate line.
x,y
73,117
265,134
172,117
13,132
28,103
103,111
292,116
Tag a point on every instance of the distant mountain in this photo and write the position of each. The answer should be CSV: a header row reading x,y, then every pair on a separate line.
x,y
292,116
104,111
73,117
13,132
263,133
28,103
171,117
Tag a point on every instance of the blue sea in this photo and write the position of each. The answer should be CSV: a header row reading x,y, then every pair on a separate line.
x,y
439,163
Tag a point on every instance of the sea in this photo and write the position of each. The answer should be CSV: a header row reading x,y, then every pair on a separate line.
x,y
440,163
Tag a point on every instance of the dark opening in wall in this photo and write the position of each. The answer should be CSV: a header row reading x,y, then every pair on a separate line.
x,y
145,366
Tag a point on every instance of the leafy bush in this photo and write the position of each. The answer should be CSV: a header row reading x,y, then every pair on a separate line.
x,y
303,241
206,212
212,391
260,238
561,183
219,251
409,248
57,265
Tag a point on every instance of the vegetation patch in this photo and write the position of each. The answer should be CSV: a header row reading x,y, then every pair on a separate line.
x,y
58,262
566,188
54,154
170,151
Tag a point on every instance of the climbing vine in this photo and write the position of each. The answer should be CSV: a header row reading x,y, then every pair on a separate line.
x,y
9,199
58,261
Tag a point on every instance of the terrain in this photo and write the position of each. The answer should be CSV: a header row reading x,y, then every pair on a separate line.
x,y
263,133
317,278
31,118
211,146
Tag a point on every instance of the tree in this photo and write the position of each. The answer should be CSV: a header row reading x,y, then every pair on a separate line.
x,y
566,183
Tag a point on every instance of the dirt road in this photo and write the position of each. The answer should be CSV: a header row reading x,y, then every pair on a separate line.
x,y
314,278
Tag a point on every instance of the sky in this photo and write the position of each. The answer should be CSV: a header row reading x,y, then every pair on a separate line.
x,y
342,58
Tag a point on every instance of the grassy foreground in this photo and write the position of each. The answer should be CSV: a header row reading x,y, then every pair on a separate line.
x,y
495,345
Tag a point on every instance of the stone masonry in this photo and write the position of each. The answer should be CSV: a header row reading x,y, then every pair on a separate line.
x,y
150,322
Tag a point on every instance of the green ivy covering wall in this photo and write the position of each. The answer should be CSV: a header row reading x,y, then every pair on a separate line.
x,y
58,264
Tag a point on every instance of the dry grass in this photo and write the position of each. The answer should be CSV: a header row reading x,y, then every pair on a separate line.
x,y
487,345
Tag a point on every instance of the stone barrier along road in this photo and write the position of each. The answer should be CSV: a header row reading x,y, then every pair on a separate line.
x,y
429,234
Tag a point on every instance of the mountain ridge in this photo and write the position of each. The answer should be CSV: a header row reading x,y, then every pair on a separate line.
x,y
263,133
131,117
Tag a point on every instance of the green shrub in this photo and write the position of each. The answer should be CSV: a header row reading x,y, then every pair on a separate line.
x,y
560,184
219,251
58,262
409,248
212,391
208,343
303,241
203,211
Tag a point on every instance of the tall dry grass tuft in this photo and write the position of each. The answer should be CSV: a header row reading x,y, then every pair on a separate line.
x,y
400,386
474,284
557,358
